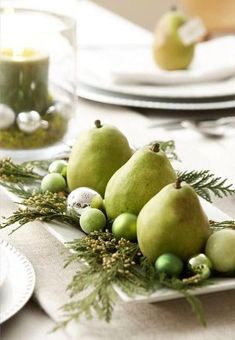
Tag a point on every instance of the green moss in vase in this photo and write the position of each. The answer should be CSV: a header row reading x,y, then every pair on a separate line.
x,y
13,138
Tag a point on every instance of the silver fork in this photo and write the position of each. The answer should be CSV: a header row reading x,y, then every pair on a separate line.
x,y
215,128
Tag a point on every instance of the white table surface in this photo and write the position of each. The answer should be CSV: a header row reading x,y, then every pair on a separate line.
x,y
31,323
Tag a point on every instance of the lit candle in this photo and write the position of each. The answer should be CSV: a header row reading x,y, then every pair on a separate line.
x,y
24,79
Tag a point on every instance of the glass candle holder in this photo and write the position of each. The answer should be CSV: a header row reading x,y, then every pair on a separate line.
x,y
37,77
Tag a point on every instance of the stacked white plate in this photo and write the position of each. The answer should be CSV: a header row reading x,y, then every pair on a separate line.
x,y
17,280
129,77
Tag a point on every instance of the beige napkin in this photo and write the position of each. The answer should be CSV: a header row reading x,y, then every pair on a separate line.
x,y
165,320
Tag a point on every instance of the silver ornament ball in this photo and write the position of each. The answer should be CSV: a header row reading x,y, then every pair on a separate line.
x,y
79,199
7,117
199,260
44,124
201,265
51,110
28,121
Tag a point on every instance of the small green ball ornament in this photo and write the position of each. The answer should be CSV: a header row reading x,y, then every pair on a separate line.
x,y
125,226
92,219
169,264
97,202
53,182
59,166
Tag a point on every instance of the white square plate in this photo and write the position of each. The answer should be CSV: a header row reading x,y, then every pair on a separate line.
x,y
67,233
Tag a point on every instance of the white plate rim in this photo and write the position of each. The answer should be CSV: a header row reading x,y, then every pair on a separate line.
x,y
28,289
137,90
93,94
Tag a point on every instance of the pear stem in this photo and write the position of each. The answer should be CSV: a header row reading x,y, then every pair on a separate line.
x,y
174,8
98,123
178,183
155,147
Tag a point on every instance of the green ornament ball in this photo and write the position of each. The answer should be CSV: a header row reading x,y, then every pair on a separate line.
x,y
59,166
53,182
169,264
124,226
97,202
92,219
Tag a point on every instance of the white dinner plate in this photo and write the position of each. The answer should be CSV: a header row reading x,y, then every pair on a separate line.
x,y
109,97
3,265
17,281
222,88
97,68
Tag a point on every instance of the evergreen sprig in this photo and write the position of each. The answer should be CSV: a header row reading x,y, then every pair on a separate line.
x,y
216,226
105,263
180,286
40,164
17,173
108,262
19,189
45,207
205,183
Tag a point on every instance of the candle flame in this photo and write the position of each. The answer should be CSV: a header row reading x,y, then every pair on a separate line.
x,y
18,51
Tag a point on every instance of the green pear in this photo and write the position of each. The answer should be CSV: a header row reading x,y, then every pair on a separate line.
x,y
132,186
168,49
173,221
96,156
